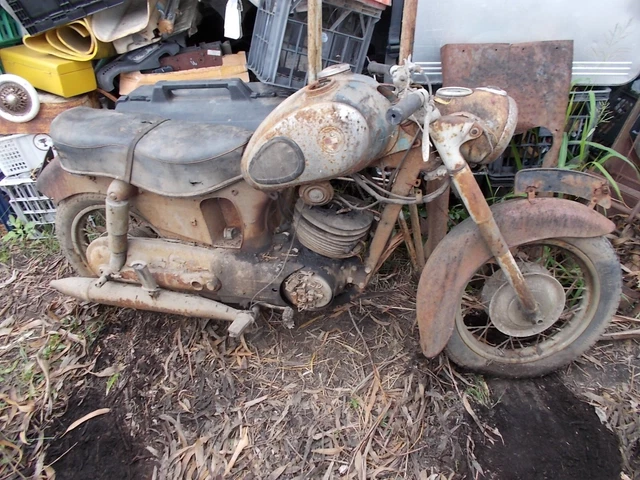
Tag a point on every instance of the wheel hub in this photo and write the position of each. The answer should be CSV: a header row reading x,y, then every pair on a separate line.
x,y
14,99
504,308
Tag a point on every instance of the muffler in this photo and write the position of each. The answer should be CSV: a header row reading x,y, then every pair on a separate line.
x,y
165,301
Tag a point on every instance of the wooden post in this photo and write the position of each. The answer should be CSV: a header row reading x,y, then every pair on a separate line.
x,y
409,14
314,39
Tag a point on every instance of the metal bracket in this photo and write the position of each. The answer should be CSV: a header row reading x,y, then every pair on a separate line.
x,y
590,187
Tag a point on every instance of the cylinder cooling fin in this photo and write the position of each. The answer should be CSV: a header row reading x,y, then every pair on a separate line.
x,y
330,231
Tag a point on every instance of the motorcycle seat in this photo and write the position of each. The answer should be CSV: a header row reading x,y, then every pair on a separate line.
x,y
168,157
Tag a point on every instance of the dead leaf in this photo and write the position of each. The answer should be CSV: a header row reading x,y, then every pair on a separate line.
x,y
109,371
10,280
277,472
88,416
256,401
328,451
242,444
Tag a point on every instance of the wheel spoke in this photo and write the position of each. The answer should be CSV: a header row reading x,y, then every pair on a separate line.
x,y
557,261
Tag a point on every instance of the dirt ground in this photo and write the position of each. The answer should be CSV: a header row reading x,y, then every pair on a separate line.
x,y
345,394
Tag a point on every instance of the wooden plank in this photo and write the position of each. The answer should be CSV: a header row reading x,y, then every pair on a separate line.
x,y
50,107
409,15
233,66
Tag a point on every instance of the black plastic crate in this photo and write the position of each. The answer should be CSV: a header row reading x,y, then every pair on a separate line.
x,y
531,147
278,53
620,106
580,114
39,15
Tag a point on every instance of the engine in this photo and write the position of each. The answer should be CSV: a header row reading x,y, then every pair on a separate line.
x,y
331,232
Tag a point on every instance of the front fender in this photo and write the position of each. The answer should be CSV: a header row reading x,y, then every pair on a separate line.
x,y
463,251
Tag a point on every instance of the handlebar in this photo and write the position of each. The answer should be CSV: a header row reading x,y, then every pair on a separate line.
x,y
378,68
405,108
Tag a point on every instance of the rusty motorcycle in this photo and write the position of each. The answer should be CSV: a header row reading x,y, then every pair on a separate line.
x,y
218,222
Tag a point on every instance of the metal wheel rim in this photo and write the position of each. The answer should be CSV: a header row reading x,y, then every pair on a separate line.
x,y
568,331
23,104
80,245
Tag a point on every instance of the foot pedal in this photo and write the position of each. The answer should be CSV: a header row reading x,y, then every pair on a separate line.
x,y
240,324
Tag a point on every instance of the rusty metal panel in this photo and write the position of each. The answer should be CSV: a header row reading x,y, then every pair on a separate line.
x,y
463,251
552,180
57,184
537,75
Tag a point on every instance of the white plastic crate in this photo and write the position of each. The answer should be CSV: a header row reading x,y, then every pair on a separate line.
x,y
27,202
22,153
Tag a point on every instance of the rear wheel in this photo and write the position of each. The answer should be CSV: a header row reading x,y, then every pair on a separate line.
x,y
577,284
81,219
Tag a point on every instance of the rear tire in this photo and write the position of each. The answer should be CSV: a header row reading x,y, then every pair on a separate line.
x,y
589,271
80,220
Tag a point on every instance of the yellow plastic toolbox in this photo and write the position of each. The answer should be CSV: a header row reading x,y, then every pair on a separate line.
x,y
66,78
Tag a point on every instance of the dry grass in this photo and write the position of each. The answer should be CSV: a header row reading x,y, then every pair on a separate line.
x,y
342,399
43,349
344,395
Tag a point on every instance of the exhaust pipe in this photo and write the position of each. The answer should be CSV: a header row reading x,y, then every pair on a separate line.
x,y
166,301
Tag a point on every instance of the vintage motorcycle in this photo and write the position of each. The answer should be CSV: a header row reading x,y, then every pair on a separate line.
x,y
190,218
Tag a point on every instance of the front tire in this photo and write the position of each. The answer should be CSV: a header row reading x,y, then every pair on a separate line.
x,y
589,272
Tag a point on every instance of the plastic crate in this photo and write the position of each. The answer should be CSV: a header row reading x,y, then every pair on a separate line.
x,y
28,204
20,154
621,103
39,15
9,31
532,146
278,53
580,114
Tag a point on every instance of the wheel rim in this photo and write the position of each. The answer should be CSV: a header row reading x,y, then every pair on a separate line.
x,y
577,275
90,224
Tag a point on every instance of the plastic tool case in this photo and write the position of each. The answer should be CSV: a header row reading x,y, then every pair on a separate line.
x,y
66,78
229,102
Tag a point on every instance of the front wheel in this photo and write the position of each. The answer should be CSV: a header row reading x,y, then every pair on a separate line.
x,y
576,282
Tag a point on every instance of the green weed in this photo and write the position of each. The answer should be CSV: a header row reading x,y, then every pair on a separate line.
x,y
480,392
20,232
113,379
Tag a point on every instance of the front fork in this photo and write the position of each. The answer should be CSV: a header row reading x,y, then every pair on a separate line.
x,y
448,135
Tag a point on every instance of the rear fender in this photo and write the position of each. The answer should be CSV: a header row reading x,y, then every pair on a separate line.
x,y
57,184
463,251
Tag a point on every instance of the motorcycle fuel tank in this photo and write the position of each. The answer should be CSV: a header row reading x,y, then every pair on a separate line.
x,y
333,127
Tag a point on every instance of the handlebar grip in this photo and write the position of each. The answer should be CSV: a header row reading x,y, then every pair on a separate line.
x,y
404,108
378,68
